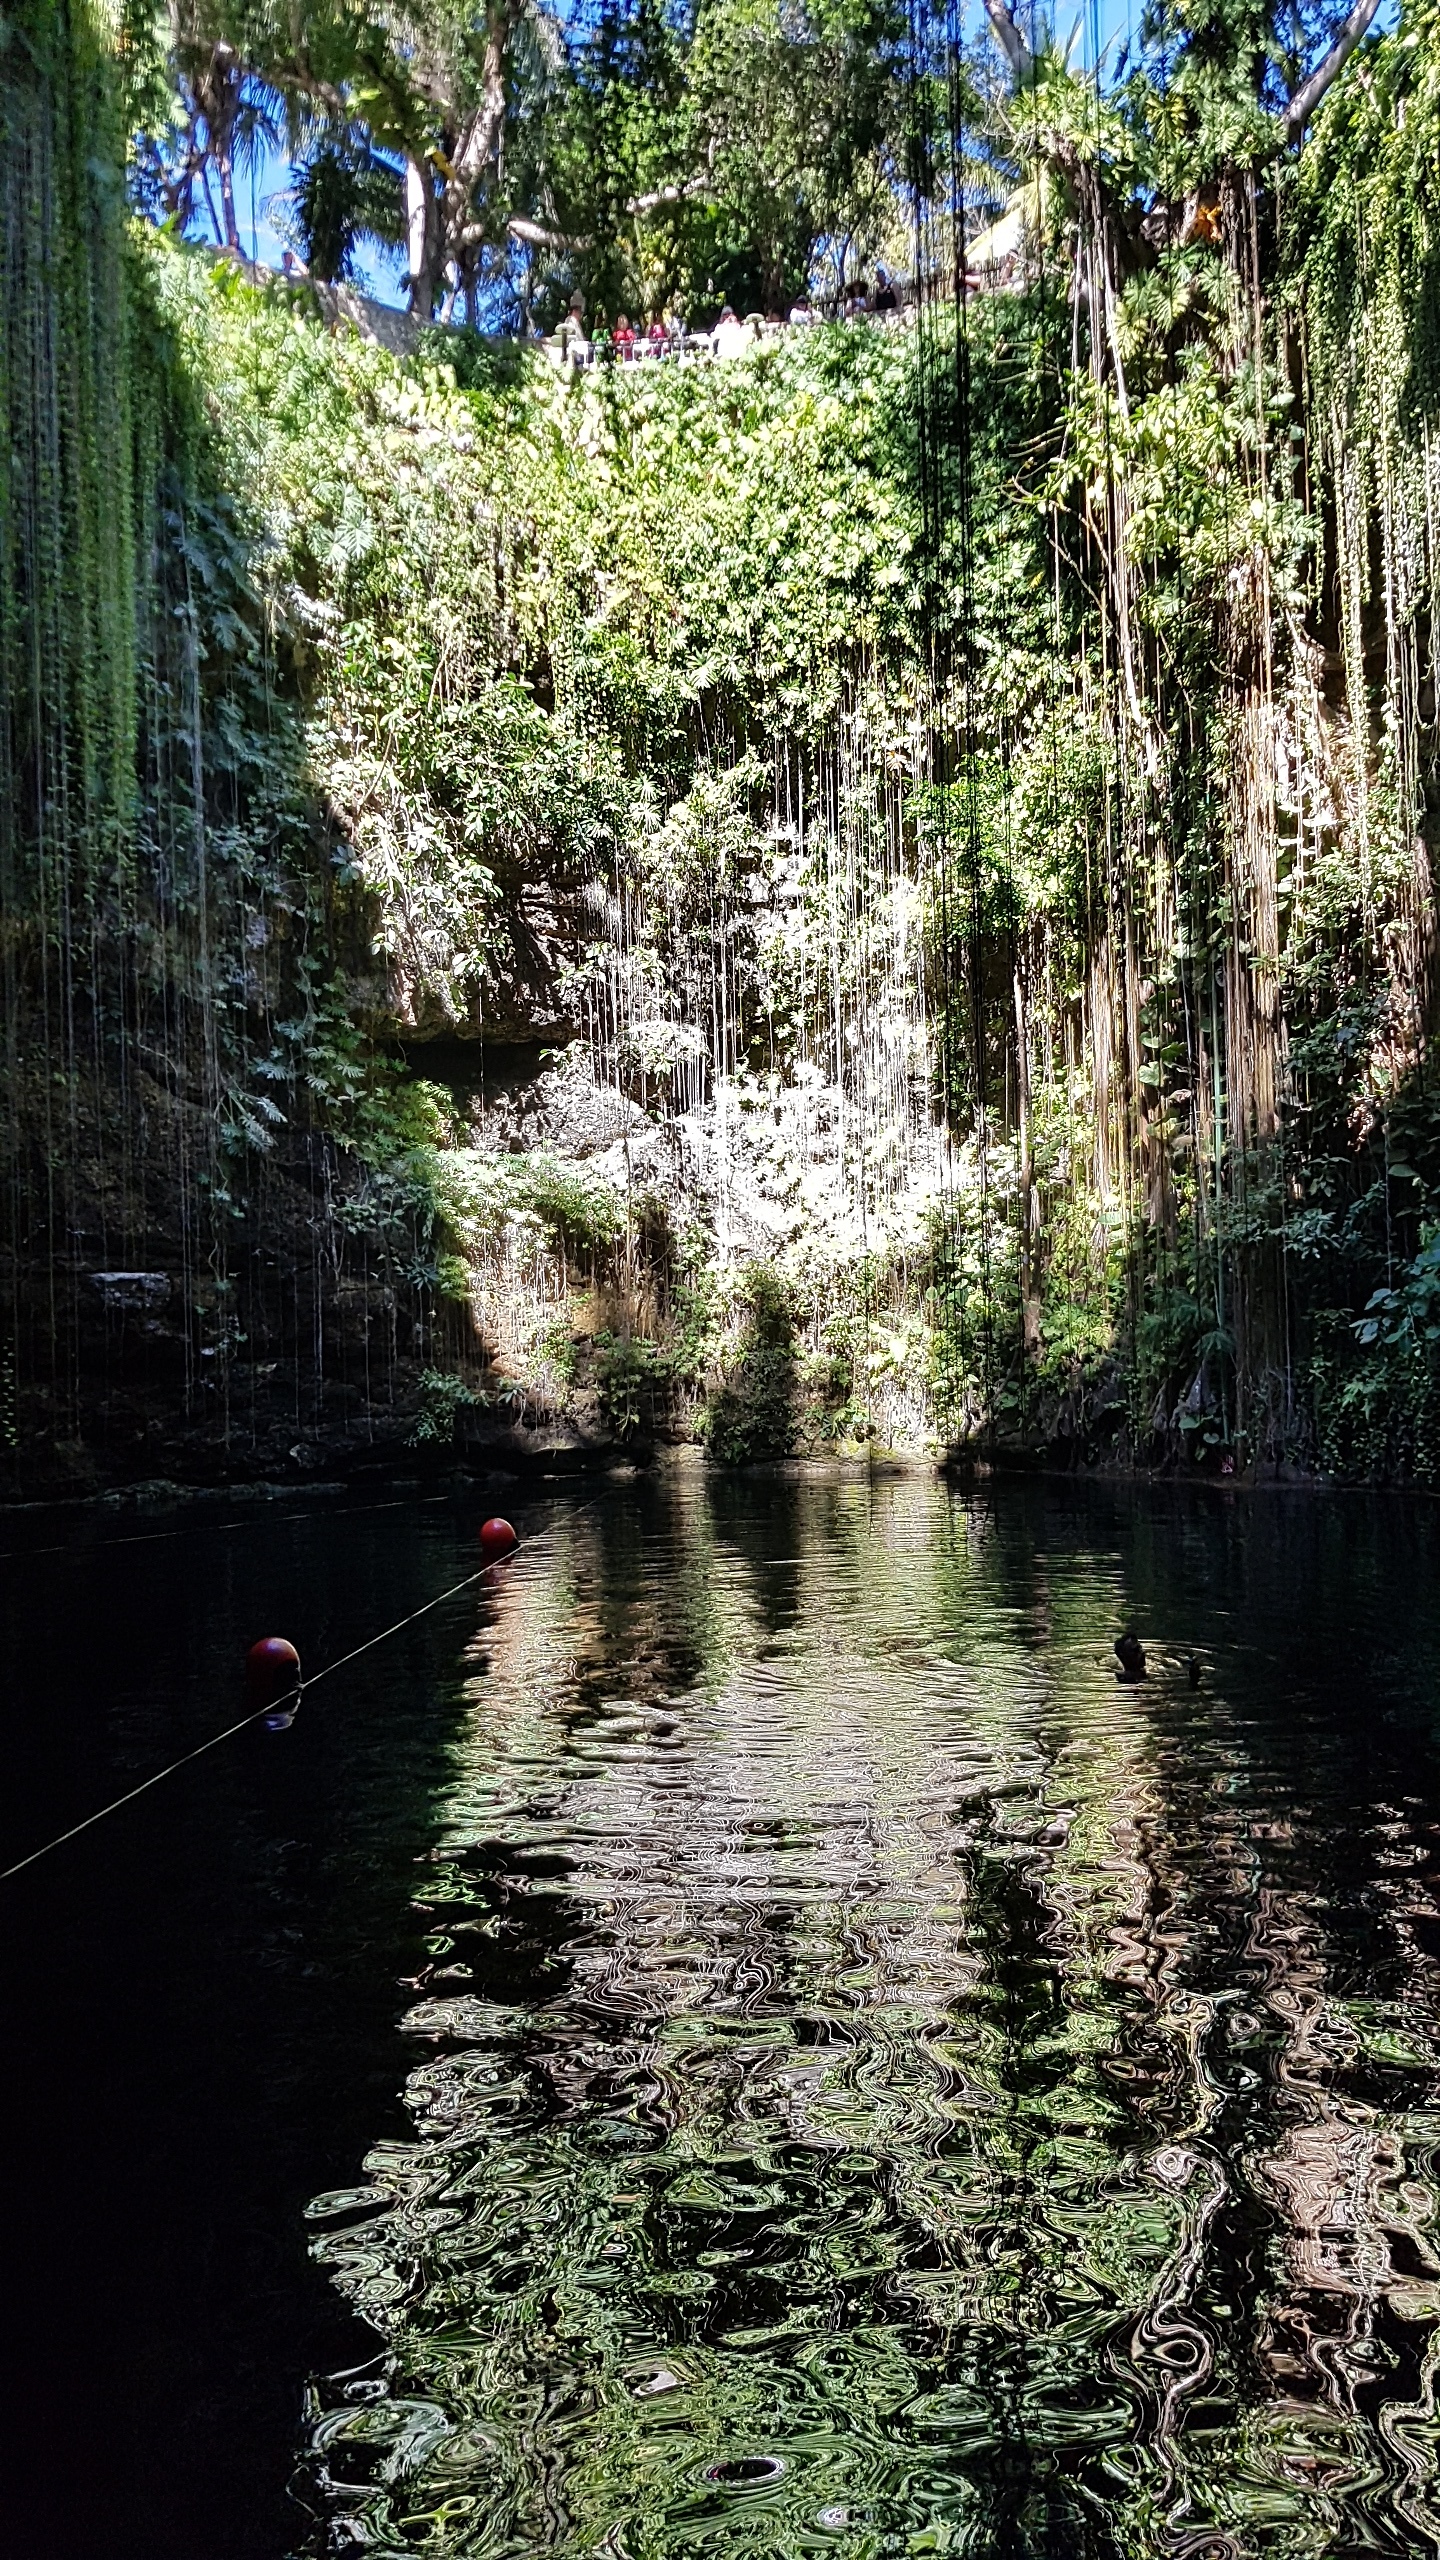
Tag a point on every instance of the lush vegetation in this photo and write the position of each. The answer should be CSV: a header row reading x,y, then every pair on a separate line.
x,y
650,155
955,798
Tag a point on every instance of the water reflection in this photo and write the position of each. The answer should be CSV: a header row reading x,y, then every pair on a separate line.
x,y
885,2085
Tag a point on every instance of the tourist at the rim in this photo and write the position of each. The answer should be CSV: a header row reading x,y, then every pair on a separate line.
x,y
730,337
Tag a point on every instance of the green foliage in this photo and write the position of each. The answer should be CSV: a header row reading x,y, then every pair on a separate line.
x,y
344,194
510,606
162,851
633,1377
73,452
533,1202
1369,264
752,1413
1408,1316
583,1217
698,155
454,695
1175,1353
442,1399
1377,1393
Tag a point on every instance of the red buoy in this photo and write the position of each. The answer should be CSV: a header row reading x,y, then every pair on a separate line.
x,y
497,1538
272,1674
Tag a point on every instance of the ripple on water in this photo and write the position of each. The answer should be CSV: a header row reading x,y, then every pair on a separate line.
x,y
894,2089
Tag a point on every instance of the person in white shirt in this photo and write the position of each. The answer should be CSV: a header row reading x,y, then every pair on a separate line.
x,y
573,343
730,337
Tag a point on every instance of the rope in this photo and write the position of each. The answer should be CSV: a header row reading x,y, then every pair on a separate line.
x,y
270,1707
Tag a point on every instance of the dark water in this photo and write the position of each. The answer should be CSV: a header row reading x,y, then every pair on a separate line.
x,y
871,2084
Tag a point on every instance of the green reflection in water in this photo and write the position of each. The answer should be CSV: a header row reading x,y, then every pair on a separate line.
x,y
886,2087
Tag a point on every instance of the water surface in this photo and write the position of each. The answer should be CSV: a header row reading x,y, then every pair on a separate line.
x,y
746,2039
883,2086
200,1999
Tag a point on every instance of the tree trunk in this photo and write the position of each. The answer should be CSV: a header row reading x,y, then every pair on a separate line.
x,y
227,196
479,140
423,231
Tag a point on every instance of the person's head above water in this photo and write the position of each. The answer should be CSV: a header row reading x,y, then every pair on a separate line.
x,y
1132,1656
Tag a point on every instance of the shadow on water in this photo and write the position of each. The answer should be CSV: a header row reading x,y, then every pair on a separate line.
x,y
872,2082
200,2004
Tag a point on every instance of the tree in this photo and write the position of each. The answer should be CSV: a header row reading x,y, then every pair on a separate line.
x,y
1214,78
616,160
227,110
343,191
422,83
706,163
448,115
792,106
644,154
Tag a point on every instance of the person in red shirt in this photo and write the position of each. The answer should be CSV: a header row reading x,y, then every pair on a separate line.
x,y
624,339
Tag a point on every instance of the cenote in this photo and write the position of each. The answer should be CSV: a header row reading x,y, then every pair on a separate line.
x,y
719,824
740,2035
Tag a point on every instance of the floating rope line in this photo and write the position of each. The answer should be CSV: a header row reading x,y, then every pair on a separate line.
x,y
272,1705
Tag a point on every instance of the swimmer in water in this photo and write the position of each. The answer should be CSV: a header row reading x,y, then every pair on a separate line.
x,y
1132,1657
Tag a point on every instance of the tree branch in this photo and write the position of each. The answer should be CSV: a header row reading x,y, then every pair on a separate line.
x,y
297,80
1310,92
1013,45
482,132
677,194
535,235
